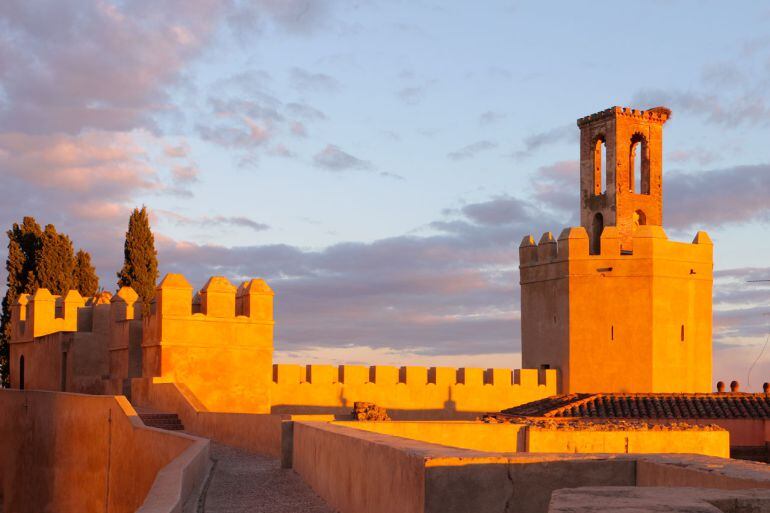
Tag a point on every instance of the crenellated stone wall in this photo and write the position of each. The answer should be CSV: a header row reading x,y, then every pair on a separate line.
x,y
406,392
223,354
217,345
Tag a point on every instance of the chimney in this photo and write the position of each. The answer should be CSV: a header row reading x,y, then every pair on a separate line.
x,y
720,387
735,386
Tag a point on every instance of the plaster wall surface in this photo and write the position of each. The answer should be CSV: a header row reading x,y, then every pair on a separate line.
x,y
617,322
671,441
69,452
360,472
505,437
476,436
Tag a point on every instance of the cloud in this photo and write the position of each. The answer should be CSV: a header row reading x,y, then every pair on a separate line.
x,y
184,174
332,158
431,294
534,142
489,117
717,197
471,150
306,81
100,65
411,95
556,187
214,221
244,115
730,93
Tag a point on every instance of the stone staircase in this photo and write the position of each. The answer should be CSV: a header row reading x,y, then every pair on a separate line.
x,y
160,420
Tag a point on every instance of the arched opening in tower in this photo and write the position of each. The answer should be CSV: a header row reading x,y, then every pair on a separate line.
x,y
597,227
639,166
600,166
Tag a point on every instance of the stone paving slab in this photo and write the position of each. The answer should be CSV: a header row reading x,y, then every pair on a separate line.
x,y
249,483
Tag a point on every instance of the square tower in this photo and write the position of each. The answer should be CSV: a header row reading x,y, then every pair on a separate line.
x,y
621,164
614,304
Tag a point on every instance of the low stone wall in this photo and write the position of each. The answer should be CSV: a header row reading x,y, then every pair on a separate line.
x,y
70,452
627,437
661,500
476,436
361,471
561,437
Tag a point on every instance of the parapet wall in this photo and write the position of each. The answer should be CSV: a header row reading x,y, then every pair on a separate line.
x,y
649,242
406,392
70,452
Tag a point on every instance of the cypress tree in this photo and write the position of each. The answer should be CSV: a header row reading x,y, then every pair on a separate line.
x,y
84,277
23,243
140,265
55,262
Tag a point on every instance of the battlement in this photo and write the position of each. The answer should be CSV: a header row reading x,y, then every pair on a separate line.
x,y
293,374
648,241
656,114
42,313
219,299
408,392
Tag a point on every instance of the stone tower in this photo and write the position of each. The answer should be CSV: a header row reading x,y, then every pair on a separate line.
x,y
613,304
621,156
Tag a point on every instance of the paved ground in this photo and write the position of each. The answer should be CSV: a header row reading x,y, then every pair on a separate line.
x,y
244,482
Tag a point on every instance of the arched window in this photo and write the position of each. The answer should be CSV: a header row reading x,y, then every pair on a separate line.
x,y
640,218
600,166
639,166
597,227
21,372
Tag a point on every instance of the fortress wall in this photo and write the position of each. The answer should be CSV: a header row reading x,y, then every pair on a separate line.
x,y
406,392
69,452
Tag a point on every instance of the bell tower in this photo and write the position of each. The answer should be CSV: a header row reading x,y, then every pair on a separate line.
x,y
613,304
621,162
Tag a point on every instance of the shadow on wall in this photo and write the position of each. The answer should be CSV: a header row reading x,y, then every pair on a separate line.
x,y
507,487
344,412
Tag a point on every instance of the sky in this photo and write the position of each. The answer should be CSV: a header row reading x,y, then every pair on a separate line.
x,y
379,162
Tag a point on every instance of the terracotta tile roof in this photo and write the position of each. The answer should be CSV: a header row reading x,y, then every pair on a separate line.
x,y
648,406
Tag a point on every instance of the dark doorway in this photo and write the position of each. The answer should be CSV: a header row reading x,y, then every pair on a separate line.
x,y
597,227
64,371
21,372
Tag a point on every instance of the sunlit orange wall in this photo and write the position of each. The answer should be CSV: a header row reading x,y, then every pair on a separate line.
x,y
69,452
616,322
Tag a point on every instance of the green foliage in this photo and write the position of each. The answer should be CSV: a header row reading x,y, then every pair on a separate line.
x,y
55,262
140,266
84,277
39,259
23,243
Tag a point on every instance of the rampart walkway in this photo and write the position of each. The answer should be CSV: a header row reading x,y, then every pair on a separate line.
x,y
243,482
